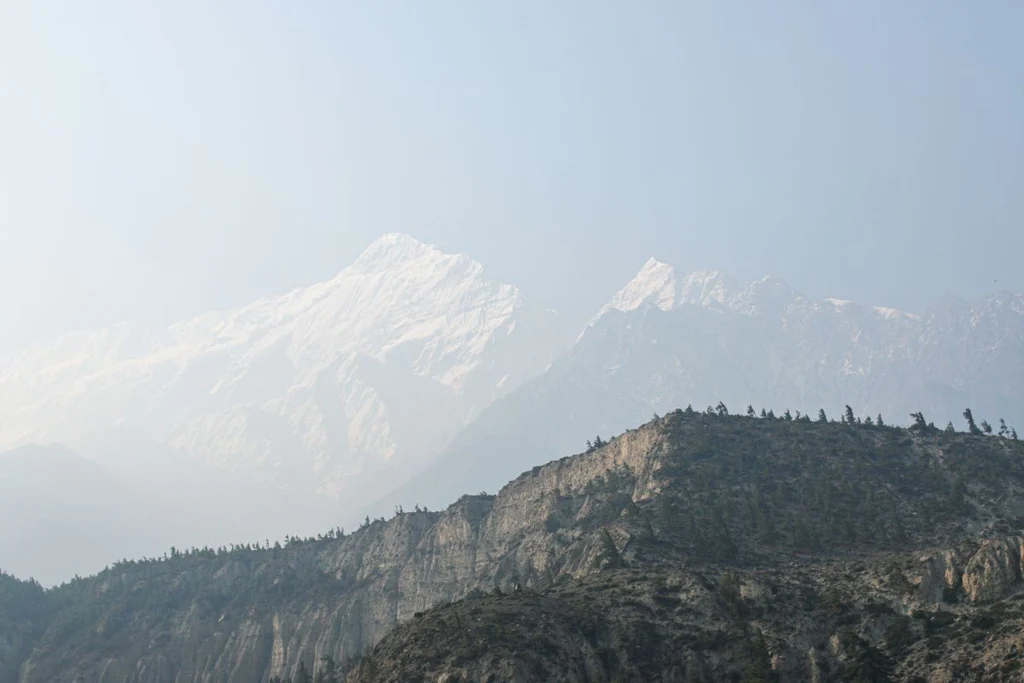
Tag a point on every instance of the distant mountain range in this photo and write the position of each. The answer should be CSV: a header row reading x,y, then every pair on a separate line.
x,y
415,372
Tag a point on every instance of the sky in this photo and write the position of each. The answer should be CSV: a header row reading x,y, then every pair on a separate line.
x,y
158,160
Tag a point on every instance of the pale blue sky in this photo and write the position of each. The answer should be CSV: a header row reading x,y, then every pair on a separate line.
x,y
161,159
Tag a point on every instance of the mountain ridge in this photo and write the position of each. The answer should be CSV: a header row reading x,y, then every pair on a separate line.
x,y
789,504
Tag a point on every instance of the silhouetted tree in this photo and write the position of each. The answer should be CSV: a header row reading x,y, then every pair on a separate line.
x,y
850,419
771,415
879,422
919,422
868,421
971,427
986,427
949,428
750,411
822,417
721,409
1004,431
787,415
764,414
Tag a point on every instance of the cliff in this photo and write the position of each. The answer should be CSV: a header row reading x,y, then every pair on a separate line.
x,y
673,505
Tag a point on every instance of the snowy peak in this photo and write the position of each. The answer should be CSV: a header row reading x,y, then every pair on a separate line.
x,y
395,249
659,284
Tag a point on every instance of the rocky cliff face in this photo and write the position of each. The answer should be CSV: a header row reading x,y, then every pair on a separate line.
x,y
687,490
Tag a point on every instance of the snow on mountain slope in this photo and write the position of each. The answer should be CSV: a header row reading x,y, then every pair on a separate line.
x,y
666,340
321,388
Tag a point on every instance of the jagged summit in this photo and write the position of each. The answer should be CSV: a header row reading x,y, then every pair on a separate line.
x,y
397,248
659,284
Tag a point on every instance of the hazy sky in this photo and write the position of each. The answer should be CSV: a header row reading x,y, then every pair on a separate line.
x,y
161,159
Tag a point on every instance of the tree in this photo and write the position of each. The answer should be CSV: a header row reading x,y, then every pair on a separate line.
x,y
1004,431
986,427
971,427
764,414
750,411
1013,433
822,417
919,423
850,419
868,421
771,415
721,409
879,422
787,416
759,662
949,428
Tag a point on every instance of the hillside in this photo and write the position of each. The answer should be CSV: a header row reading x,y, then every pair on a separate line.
x,y
674,503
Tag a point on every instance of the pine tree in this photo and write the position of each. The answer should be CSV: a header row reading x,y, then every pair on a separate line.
x,y
879,422
721,409
850,419
750,411
787,416
764,414
949,428
986,427
868,421
919,422
971,427
1004,431
822,417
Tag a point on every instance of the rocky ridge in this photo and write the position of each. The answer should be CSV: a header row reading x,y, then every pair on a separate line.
x,y
689,498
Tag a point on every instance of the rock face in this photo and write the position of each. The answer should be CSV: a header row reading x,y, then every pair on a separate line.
x,y
714,518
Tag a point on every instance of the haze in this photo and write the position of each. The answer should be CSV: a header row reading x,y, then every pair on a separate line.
x,y
160,161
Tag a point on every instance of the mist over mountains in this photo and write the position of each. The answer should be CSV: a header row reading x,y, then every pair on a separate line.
x,y
413,377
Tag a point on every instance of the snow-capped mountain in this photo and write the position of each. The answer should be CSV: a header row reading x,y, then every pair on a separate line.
x,y
669,339
321,389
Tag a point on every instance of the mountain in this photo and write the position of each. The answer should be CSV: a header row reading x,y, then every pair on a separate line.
x,y
330,390
667,339
697,547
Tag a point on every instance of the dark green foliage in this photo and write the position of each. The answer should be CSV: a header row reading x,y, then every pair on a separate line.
x,y
986,427
822,417
878,421
750,411
759,663
971,426
1004,431
848,416
919,422
787,415
721,410
950,429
